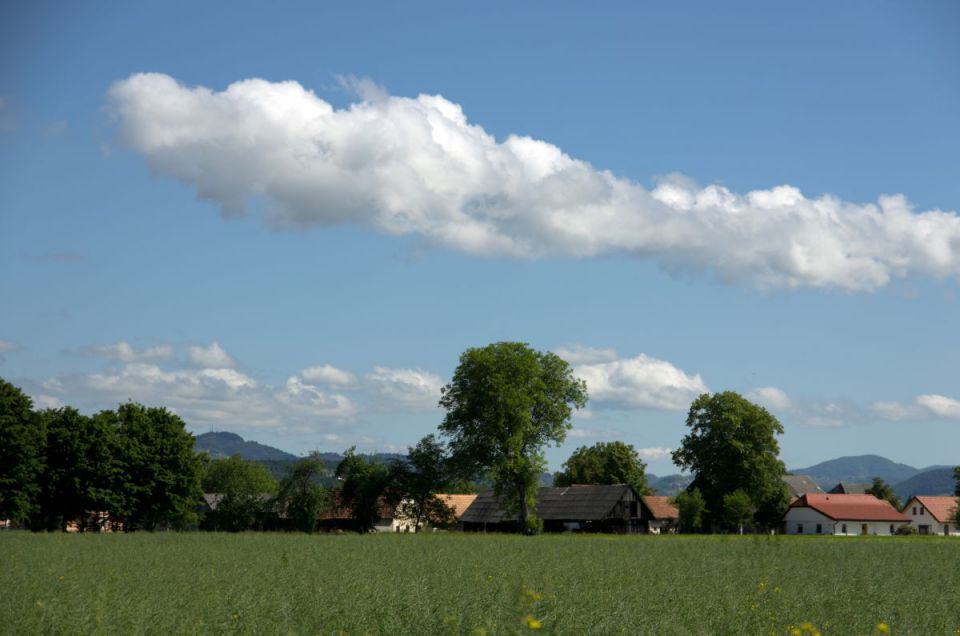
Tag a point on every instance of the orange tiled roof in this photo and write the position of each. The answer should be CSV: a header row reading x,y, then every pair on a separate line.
x,y
661,507
942,509
850,507
459,503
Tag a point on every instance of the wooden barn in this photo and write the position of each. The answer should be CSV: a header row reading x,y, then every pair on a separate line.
x,y
578,508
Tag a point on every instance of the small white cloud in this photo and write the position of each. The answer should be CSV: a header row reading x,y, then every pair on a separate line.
x,y
771,397
940,405
411,388
7,346
923,407
328,374
579,354
655,454
640,382
585,433
123,352
41,402
211,357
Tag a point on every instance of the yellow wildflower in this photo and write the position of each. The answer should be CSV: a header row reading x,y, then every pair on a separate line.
x,y
883,628
533,623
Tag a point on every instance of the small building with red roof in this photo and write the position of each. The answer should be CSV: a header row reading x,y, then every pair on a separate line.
x,y
843,515
933,515
658,514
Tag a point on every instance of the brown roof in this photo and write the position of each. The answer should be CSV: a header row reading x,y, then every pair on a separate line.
x,y
337,510
660,507
568,503
850,507
459,503
942,509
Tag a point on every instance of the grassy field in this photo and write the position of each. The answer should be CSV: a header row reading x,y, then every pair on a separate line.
x,y
474,584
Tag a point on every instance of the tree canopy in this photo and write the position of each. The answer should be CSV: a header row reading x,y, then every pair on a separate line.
x,y
301,498
732,445
424,474
691,508
506,402
881,490
246,489
21,453
605,463
364,482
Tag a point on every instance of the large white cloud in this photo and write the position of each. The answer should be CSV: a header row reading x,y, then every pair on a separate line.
x,y
640,382
414,389
416,166
212,355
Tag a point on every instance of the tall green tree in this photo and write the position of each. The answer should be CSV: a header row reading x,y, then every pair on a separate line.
x,y
301,498
691,508
732,445
364,486
21,454
80,469
881,490
506,402
420,478
956,491
605,463
246,492
159,477
738,509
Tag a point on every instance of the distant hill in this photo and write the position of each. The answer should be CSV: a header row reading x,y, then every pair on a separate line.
x,y
668,485
938,481
861,468
223,444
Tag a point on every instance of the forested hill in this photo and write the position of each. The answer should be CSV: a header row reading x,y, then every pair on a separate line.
x,y
857,469
223,444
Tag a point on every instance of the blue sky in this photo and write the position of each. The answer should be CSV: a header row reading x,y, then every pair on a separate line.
x,y
758,197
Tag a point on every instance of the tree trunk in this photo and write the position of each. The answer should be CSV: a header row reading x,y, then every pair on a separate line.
x,y
524,508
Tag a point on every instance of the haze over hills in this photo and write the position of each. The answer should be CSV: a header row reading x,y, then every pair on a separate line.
x,y
905,480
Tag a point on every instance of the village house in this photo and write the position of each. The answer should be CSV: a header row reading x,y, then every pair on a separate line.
x,y
457,504
844,515
933,515
658,515
577,508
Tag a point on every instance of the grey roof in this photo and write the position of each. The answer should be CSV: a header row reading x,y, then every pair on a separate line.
x,y
849,488
799,485
572,503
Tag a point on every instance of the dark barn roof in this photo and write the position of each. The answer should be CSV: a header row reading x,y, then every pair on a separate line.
x,y
800,485
570,503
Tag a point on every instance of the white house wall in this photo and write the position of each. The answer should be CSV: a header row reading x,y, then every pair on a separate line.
x,y
926,519
810,518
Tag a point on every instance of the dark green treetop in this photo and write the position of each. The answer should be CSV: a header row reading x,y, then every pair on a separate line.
x,y
605,463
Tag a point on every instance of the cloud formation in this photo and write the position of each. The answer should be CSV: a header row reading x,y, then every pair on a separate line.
x,y
924,407
123,352
416,166
638,382
212,356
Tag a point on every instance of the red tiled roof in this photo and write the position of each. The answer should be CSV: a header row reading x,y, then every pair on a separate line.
x,y
459,503
850,507
942,509
337,510
661,507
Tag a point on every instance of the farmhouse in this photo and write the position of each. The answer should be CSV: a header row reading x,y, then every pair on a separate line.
x,y
457,504
842,515
577,508
658,515
933,515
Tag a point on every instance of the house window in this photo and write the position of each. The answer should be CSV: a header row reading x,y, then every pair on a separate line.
x,y
819,528
914,511
946,530
892,531
799,528
921,509
843,528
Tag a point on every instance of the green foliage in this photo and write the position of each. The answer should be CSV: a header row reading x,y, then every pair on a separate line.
x,y
159,476
605,463
881,490
253,583
364,484
906,530
21,454
247,490
419,479
81,470
732,445
738,509
956,475
506,402
692,508
301,499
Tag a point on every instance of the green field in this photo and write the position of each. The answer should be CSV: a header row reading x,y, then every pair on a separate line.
x,y
476,584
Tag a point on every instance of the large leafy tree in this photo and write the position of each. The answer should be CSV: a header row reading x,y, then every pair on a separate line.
x,y
301,498
692,508
505,402
364,483
956,475
420,478
732,445
247,490
21,454
80,469
882,490
605,463
159,479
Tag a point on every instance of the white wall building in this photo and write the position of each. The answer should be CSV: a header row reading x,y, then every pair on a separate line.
x,y
933,515
843,515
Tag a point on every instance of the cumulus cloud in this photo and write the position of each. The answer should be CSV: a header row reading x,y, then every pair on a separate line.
x,y
416,166
655,454
640,382
580,354
123,352
212,356
924,407
771,397
412,388
328,374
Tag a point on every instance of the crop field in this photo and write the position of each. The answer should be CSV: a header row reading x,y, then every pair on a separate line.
x,y
476,584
